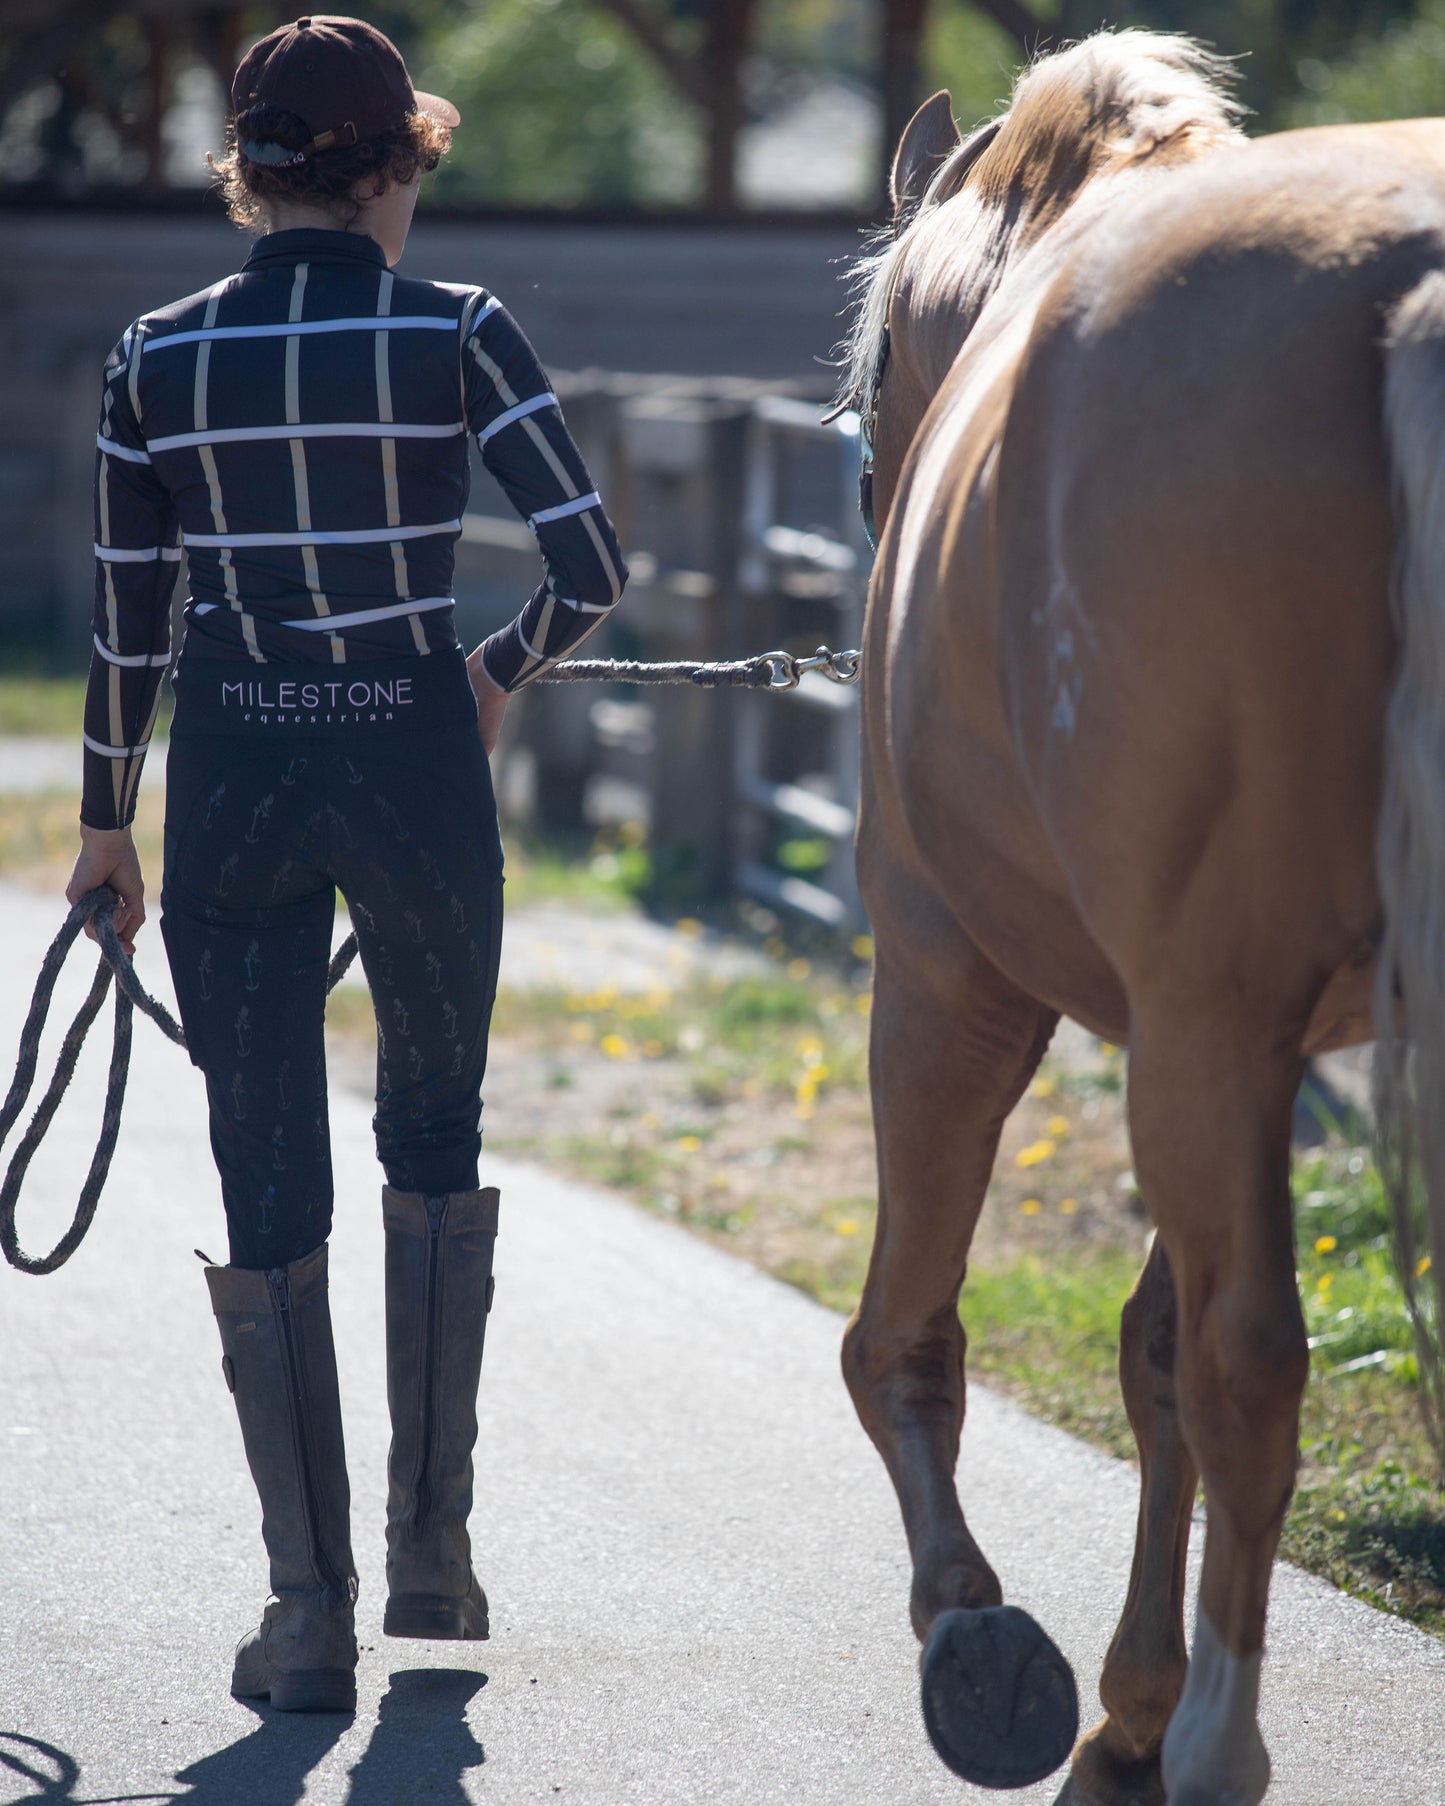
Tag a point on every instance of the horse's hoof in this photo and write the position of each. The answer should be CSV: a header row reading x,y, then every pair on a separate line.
x,y
999,1701
1105,1776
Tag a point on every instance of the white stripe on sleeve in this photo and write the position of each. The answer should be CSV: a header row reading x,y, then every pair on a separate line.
x,y
549,400
579,506
133,658
113,450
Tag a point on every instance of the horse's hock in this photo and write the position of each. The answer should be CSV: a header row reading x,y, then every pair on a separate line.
x,y
737,509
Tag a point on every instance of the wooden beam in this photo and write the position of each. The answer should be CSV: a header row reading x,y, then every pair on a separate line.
x,y
729,32
903,23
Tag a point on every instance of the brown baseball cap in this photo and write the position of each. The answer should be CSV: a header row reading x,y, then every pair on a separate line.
x,y
342,77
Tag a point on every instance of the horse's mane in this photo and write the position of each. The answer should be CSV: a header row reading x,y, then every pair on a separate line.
x,y
1116,99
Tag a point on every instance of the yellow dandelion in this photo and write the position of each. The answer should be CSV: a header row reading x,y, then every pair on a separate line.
x,y
1068,1206
688,1144
863,946
811,1048
798,969
583,1031
649,1121
1325,1244
846,1227
863,1003
1422,1266
689,928
1031,1207
1057,1126
1338,1515
1326,1280
1108,1049
614,1047
1042,1088
1035,1153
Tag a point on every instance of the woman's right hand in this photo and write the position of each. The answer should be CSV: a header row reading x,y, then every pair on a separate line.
x,y
491,701
108,856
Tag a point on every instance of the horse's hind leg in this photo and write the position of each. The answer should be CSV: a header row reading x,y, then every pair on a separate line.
x,y
1210,1105
954,1043
1117,1764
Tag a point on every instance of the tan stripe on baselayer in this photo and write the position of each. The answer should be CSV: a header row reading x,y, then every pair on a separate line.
x,y
383,359
117,766
228,568
604,556
112,610
202,397
388,457
133,376
132,766
319,604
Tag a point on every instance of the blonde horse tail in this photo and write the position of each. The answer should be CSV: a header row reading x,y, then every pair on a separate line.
x,y
1409,1003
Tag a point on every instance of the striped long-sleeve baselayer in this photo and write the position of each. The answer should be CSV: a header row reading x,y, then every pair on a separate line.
x,y
301,431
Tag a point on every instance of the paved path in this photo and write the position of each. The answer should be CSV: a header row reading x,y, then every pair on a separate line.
x,y
697,1575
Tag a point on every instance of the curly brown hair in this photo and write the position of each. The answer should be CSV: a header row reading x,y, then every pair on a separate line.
x,y
330,179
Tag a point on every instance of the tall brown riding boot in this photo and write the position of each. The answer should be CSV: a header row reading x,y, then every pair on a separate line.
x,y
438,1293
280,1365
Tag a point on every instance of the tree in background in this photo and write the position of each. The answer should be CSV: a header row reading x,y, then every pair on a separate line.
x,y
560,106
1398,73
645,102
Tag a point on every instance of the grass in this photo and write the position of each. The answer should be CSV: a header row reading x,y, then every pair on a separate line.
x,y
32,704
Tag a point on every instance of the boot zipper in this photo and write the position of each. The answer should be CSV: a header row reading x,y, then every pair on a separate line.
x,y
436,1210
279,1282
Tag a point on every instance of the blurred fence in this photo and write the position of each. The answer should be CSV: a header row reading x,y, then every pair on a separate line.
x,y
738,511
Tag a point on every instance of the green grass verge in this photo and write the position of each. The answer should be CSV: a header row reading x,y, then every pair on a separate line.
x,y
33,704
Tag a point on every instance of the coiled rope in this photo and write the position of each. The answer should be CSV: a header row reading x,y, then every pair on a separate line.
x,y
767,671
96,907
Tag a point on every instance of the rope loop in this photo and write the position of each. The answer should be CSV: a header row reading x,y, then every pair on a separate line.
x,y
96,907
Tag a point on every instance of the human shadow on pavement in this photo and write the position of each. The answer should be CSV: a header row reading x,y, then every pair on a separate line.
x,y
422,1744
270,1763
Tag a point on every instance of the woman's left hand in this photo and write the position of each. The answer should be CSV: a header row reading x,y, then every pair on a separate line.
x,y
108,856
491,701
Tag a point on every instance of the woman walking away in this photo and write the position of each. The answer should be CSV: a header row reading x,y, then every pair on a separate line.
x,y
301,430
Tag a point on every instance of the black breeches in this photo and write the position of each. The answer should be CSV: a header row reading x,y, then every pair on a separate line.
x,y
379,789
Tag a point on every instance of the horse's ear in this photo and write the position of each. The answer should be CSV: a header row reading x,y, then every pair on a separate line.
x,y
929,138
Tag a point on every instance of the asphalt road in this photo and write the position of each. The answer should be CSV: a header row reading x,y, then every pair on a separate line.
x,y
698,1579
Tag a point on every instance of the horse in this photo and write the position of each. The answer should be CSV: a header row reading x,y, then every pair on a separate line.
x,y
1153,735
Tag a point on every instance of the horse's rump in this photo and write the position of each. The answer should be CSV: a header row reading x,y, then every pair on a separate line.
x,y
1166,547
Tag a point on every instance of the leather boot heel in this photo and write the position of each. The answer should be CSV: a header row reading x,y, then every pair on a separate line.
x,y
317,1690
436,1617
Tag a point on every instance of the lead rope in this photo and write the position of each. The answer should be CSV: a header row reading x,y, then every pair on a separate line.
x,y
768,671
96,907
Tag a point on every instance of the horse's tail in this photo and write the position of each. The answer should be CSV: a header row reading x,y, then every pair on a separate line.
x,y
1410,979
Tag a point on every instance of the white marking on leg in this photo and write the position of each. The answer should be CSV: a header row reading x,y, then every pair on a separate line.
x,y
1213,1752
